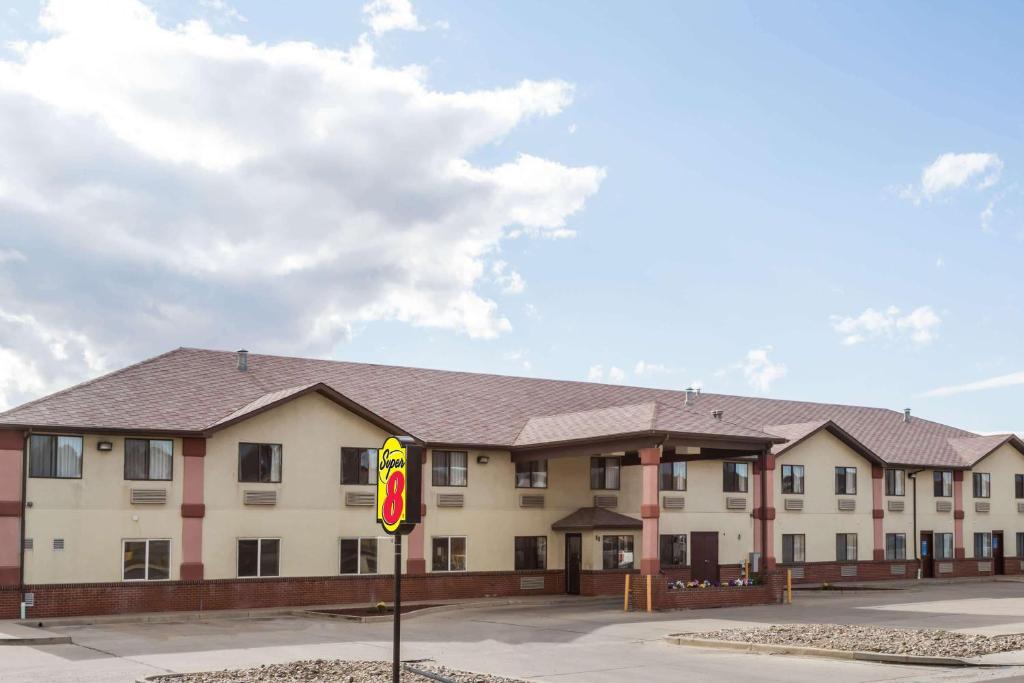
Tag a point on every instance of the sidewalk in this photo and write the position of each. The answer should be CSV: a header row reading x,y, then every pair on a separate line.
x,y
12,633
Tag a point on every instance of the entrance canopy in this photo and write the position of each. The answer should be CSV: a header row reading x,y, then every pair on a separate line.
x,y
588,519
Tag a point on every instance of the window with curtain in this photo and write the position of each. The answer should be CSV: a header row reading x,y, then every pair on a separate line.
x,y
448,553
673,550
532,475
450,468
793,548
259,463
55,457
617,552
148,459
531,552
983,546
895,482
943,546
146,560
1018,486
358,465
943,480
672,476
734,477
604,473
982,485
792,478
895,546
359,556
259,557
846,481
846,547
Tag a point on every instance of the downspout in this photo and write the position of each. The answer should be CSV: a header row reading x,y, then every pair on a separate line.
x,y
764,521
24,507
913,477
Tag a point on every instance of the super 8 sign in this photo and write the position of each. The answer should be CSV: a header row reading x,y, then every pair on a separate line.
x,y
399,467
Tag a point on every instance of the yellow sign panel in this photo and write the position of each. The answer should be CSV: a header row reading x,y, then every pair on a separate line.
x,y
392,484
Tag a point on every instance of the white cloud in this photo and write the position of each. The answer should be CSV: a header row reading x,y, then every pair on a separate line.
x,y
953,171
643,368
271,195
509,280
222,11
11,256
1012,379
391,15
920,325
616,375
613,375
760,371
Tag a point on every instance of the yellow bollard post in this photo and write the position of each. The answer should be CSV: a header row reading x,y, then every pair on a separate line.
x,y
648,592
625,598
746,570
789,586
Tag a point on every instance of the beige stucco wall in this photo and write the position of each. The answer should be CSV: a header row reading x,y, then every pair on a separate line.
x,y
1003,464
928,519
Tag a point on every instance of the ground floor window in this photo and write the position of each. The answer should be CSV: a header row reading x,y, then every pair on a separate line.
x,y
846,547
531,552
793,546
673,551
359,556
943,547
449,553
259,557
895,546
617,552
983,546
146,560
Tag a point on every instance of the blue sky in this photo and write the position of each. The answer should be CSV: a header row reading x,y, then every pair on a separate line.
x,y
796,200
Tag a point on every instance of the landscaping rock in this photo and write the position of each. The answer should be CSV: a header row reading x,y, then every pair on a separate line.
x,y
329,671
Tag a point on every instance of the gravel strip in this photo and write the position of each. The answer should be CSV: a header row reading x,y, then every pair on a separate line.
x,y
894,641
329,671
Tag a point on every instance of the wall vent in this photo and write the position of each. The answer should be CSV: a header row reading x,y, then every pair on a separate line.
x,y
898,569
945,567
847,504
673,502
795,504
732,503
58,544
798,572
896,505
984,566
606,501
29,599
1020,507
848,570
259,497
981,506
356,499
149,496
450,500
531,583
28,544
943,506
531,500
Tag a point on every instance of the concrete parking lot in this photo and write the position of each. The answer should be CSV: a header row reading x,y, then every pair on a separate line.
x,y
586,641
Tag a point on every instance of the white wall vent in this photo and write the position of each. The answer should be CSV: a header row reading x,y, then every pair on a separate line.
x,y
606,501
149,496
259,497
847,504
897,569
356,499
29,599
58,544
795,504
798,572
531,500
1020,507
945,567
984,566
735,503
943,506
848,570
673,502
531,583
896,505
981,506
450,500
28,544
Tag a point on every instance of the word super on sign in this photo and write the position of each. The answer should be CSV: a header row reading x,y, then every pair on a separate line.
x,y
398,485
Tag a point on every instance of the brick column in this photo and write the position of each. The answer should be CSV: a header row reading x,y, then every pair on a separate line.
x,y
767,461
193,509
756,481
416,561
650,459
958,515
877,513
12,456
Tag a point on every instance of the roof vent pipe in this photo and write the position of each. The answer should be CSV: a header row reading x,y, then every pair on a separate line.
x,y
717,414
242,360
906,414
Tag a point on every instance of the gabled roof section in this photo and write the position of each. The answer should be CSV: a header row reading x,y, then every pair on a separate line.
x,y
801,431
586,519
972,450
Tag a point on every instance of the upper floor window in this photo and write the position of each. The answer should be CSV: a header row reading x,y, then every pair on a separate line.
x,y
259,462
532,475
895,482
359,556
55,457
531,552
604,473
259,557
148,459
846,481
450,468
734,477
943,480
358,465
672,476
1018,487
792,478
146,560
983,546
673,550
846,547
982,485
793,548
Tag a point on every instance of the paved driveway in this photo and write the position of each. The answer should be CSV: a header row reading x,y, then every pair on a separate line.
x,y
576,643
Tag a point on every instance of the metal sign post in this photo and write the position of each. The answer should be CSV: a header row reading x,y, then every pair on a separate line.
x,y
399,473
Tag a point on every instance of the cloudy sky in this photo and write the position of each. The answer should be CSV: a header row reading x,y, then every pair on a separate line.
x,y
797,201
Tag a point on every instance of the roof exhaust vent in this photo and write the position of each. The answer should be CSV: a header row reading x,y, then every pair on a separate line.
x,y
690,393
717,414
242,360
906,414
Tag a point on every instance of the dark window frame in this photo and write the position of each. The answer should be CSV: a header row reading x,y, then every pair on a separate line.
x,y
939,551
623,543
891,480
1020,544
940,478
731,480
793,547
353,451
671,539
259,557
534,553
670,475
896,546
446,479
270,468
53,456
843,547
1018,490
533,468
599,463
149,459
981,484
845,474
448,553
359,556
982,536
146,563
793,479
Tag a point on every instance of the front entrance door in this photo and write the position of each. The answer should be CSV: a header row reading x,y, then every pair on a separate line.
x,y
997,552
927,555
573,563
704,560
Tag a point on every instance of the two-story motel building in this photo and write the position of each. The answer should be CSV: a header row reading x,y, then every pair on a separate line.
x,y
209,480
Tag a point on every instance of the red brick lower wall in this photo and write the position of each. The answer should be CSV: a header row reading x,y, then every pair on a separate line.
x,y
605,582
830,572
62,600
662,598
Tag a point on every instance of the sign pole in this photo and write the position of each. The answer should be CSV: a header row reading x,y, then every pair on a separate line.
x,y
395,674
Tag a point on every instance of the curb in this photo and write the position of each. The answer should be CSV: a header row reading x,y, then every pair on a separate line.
x,y
854,655
379,618
41,640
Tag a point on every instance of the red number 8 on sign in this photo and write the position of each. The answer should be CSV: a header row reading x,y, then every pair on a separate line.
x,y
391,511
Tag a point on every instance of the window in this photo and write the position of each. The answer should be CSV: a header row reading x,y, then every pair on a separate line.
x,y
895,482
532,475
259,557
146,560
943,483
982,485
672,476
846,481
1020,542
450,468
734,477
531,552
1018,486
358,465
792,478
359,556
846,547
673,551
617,552
55,457
792,548
259,462
895,546
449,553
604,473
148,459
983,546
943,547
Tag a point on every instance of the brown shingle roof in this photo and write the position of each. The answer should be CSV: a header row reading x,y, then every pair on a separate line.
x,y
190,390
596,518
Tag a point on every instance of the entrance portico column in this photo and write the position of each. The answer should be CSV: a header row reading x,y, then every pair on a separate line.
x,y
958,515
416,563
767,462
650,459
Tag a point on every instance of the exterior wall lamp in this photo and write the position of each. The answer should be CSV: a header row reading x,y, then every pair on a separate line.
x,y
483,459
105,446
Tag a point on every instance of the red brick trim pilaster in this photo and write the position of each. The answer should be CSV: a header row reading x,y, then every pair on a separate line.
x,y
958,514
191,571
650,458
878,513
764,513
650,511
11,440
193,447
10,576
10,508
193,510
878,554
